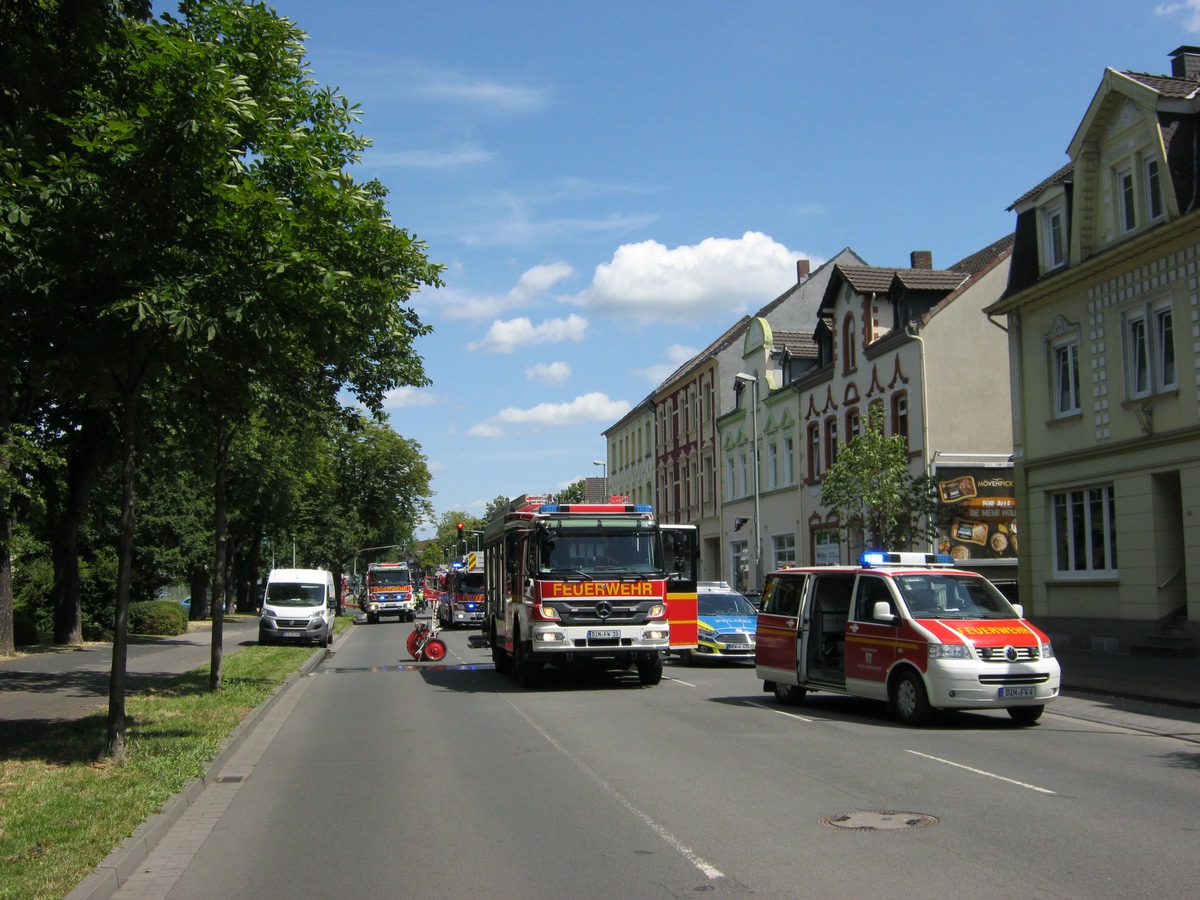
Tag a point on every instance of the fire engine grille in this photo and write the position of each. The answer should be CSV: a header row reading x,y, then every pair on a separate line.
x,y
613,642
1001,654
1041,678
587,615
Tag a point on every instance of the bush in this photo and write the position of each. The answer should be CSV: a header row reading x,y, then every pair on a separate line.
x,y
25,631
157,617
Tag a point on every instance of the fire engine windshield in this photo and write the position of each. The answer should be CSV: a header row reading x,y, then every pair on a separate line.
x,y
471,582
388,577
943,595
600,552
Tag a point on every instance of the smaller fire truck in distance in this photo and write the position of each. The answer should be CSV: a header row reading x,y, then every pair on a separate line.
x,y
388,592
576,584
907,628
462,602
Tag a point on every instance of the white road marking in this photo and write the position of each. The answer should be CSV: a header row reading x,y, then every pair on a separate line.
x,y
709,870
779,712
1032,787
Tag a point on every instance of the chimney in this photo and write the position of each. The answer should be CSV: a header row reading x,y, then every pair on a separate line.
x,y
921,259
801,270
1185,63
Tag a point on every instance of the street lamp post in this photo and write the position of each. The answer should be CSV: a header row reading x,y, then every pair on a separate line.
x,y
603,474
743,378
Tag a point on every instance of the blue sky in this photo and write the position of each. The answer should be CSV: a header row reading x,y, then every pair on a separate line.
x,y
610,185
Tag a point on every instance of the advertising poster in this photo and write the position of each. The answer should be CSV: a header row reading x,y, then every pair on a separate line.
x,y
977,517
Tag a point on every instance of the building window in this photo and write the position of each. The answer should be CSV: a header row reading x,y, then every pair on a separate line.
x,y
1126,202
1055,236
900,417
729,478
1066,380
1150,351
831,441
814,452
1154,197
772,466
849,345
1085,538
741,485
853,425
784,548
789,461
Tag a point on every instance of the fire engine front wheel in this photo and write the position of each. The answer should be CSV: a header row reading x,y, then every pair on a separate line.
x,y
650,670
910,703
525,668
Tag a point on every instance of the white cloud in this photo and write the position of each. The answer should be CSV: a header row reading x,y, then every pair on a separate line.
x,y
457,158
408,397
718,276
587,409
1191,19
677,355
452,87
507,336
529,288
549,373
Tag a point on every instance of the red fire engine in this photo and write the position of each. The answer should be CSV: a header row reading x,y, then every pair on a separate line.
x,y
585,583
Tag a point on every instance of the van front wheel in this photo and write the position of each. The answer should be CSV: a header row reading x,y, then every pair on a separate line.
x,y
910,703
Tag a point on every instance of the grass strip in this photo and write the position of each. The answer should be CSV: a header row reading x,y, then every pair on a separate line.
x,y
64,808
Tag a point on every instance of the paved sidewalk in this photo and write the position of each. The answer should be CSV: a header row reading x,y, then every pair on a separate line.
x,y
1151,679
40,690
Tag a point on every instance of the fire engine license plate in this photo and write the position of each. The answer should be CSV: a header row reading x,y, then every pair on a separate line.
x,y
1018,692
604,634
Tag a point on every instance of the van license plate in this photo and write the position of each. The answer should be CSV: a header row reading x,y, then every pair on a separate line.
x,y
1018,692
603,635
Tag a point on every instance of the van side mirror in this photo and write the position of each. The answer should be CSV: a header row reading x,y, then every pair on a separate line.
x,y
883,612
1020,610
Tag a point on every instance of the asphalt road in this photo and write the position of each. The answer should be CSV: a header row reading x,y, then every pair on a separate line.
x,y
39,690
378,777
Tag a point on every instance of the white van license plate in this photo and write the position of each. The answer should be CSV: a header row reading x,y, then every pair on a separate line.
x,y
603,635
1005,693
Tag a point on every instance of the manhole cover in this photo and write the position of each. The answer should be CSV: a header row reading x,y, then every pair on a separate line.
x,y
879,820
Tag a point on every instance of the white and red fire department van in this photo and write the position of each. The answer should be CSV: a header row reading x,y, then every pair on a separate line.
x,y
908,628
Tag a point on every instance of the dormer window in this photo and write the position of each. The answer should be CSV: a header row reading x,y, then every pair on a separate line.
x,y
1054,236
1126,203
1154,197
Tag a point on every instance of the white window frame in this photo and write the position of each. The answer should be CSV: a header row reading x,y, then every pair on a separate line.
x,y
1148,337
1125,189
1083,532
789,461
783,549
772,466
1067,400
729,482
1152,176
1054,234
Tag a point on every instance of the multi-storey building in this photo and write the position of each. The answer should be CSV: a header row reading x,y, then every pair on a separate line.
x,y
911,345
1103,316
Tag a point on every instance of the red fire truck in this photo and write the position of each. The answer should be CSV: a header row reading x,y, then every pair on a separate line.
x,y
388,592
461,602
584,583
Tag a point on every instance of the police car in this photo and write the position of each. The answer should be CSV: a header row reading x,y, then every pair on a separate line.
x,y
727,624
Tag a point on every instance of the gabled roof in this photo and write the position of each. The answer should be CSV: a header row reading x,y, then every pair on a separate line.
x,y
981,259
795,343
930,279
1063,174
727,338
1166,85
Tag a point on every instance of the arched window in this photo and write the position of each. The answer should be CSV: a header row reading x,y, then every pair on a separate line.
x,y
849,344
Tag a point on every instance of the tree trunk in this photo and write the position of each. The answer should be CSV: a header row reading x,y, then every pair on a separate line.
x,y
219,576
7,645
199,585
116,682
82,469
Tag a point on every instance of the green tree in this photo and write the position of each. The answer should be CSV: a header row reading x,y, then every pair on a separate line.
x,y
874,495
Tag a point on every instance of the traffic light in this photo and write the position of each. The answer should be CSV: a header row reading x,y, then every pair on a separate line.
x,y
460,530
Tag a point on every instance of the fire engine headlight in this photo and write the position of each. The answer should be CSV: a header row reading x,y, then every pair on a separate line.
x,y
550,637
655,635
548,613
949,651
373,606
1047,650
657,611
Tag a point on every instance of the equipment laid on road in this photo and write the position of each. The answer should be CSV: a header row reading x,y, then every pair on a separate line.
x,y
584,584
423,643
908,628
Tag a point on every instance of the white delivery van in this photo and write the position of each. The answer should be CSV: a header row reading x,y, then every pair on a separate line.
x,y
298,607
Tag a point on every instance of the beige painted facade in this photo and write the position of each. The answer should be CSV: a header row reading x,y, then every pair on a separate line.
x,y
1105,348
